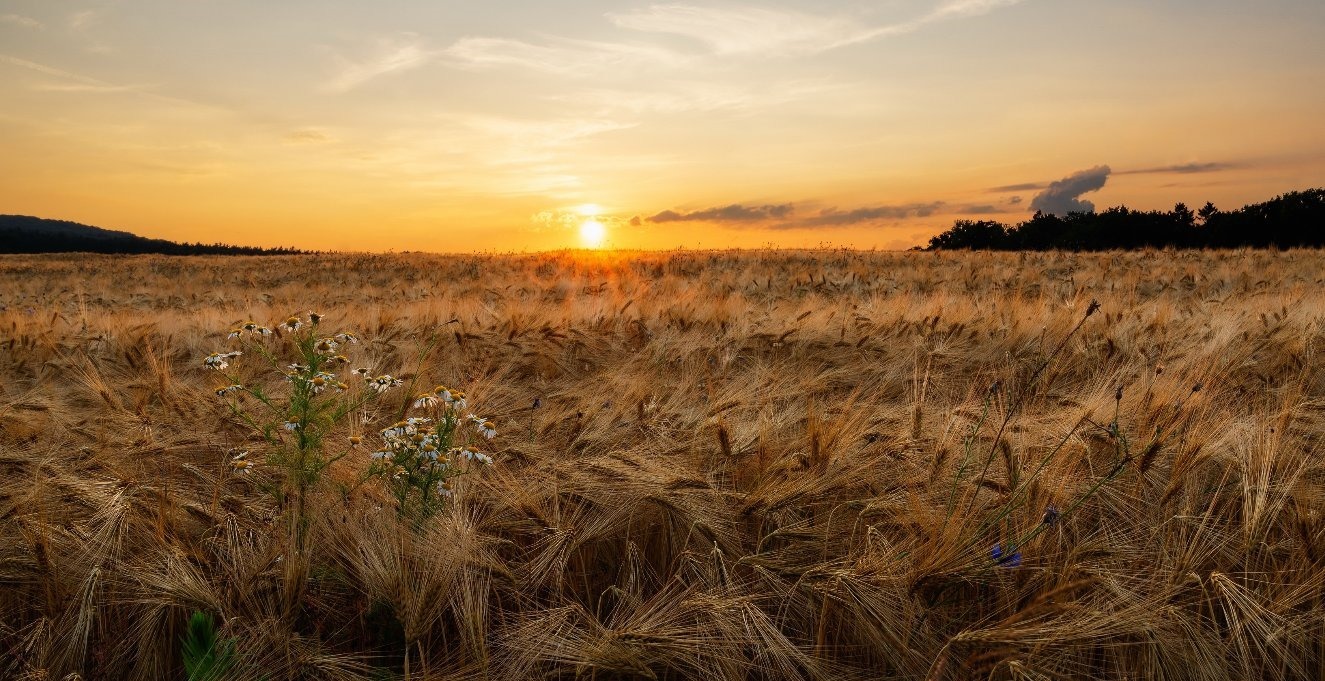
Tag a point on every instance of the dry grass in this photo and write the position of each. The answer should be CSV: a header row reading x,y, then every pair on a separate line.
x,y
743,466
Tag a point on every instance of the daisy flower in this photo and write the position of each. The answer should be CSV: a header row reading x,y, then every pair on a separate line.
x,y
471,455
293,324
346,337
487,429
240,463
425,400
384,383
222,392
220,360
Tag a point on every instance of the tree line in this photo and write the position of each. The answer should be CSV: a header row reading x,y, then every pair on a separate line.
x,y
1292,220
27,234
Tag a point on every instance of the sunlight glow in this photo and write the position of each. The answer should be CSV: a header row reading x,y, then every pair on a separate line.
x,y
589,210
592,233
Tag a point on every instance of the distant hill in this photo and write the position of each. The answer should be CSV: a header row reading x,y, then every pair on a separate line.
x,y
27,234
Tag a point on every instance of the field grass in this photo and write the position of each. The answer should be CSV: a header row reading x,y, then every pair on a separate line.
x,y
762,465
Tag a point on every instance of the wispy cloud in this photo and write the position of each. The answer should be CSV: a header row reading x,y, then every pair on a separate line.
x,y
732,30
686,96
307,136
738,30
86,87
74,83
732,213
1184,169
68,81
1023,187
560,55
392,55
82,19
833,217
22,21
1175,169
953,9
752,29
784,216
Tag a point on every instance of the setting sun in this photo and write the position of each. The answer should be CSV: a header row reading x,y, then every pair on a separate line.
x,y
592,233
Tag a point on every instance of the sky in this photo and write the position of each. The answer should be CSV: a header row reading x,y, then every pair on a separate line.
x,y
525,125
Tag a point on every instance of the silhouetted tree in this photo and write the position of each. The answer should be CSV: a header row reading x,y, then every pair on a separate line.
x,y
1296,219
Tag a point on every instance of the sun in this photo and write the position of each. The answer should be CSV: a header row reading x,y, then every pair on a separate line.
x,y
592,233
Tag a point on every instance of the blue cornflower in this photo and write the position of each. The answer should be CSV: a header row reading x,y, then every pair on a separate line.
x,y
1051,515
1007,561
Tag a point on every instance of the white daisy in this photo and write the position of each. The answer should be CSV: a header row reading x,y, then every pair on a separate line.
x,y
220,360
384,383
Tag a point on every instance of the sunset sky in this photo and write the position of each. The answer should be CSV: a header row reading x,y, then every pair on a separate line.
x,y
507,125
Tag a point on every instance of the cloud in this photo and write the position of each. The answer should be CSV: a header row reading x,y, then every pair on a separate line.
x,y
1184,169
81,20
740,30
761,30
76,83
307,136
390,56
733,30
565,57
22,21
571,218
952,9
85,87
1015,200
1025,186
733,213
684,96
832,217
783,216
1064,196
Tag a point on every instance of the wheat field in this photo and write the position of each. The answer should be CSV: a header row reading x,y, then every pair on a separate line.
x,y
710,465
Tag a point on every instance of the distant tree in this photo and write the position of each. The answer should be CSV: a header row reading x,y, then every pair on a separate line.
x,y
979,235
1295,219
